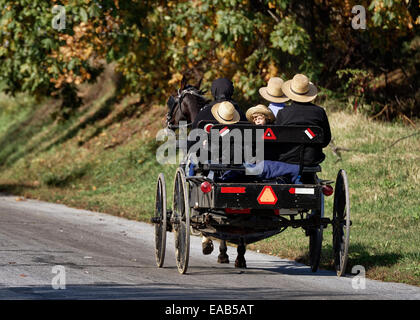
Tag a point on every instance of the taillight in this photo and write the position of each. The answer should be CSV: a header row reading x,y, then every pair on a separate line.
x,y
208,127
327,190
205,187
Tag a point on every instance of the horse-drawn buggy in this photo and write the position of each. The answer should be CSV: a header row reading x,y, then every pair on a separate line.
x,y
244,209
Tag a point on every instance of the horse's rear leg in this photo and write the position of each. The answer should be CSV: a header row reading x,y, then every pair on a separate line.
x,y
240,261
223,257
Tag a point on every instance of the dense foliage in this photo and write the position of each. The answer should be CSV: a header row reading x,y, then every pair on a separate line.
x,y
153,43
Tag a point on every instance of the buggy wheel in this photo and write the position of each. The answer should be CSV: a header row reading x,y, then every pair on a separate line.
x,y
341,223
315,241
315,244
181,221
160,220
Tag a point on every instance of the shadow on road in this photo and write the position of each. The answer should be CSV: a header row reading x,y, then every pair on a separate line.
x,y
258,267
158,291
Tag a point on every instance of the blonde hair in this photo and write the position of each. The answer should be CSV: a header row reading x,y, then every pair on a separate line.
x,y
256,114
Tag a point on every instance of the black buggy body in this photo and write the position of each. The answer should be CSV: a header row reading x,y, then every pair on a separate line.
x,y
247,209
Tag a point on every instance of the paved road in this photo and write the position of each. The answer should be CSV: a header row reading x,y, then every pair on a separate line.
x,y
107,257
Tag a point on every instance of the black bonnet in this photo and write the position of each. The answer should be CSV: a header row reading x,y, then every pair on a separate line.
x,y
222,88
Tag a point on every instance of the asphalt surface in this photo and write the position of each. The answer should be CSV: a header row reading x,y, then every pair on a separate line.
x,y
50,251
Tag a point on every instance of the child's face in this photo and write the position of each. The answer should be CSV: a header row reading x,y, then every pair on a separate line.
x,y
259,120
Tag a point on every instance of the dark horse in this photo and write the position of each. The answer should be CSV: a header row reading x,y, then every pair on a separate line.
x,y
184,106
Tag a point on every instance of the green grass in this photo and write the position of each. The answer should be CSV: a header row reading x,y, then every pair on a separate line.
x,y
103,158
384,196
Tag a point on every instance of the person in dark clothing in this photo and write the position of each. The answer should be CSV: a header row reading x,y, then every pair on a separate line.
x,y
222,90
222,110
302,112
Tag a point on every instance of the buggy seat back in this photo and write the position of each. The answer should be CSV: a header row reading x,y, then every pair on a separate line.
x,y
244,134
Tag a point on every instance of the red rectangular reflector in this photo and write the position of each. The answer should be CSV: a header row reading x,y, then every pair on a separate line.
x,y
232,190
229,210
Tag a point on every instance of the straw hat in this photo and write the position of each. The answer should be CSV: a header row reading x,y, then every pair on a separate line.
x,y
273,92
225,112
300,89
260,109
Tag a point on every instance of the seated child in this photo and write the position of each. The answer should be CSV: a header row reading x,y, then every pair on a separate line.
x,y
260,115
268,169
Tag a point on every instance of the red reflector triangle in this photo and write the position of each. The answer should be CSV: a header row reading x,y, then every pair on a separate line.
x,y
269,135
267,196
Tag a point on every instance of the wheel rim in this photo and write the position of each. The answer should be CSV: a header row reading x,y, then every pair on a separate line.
x,y
341,223
315,241
181,214
160,228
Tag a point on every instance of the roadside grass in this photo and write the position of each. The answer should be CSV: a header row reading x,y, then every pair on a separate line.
x,y
384,199
103,159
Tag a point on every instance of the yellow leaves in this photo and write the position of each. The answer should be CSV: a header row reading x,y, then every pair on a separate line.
x,y
237,77
69,41
66,52
69,79
347,8
176,78
225,61
86,54
223,52
197,3
84,73
272,71
86,44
